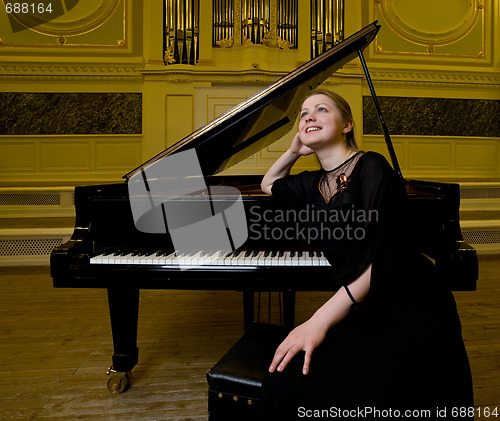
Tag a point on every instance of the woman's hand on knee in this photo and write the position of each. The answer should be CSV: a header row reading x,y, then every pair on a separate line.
x,y
305,337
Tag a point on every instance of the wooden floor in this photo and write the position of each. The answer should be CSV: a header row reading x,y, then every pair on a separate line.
x,y
56,345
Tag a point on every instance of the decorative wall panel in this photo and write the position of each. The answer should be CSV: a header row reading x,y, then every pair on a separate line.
x,y
86,23
68,157
429,155
477,156
427,27
70,113
116,154
17,156
433,116
441,156
65,156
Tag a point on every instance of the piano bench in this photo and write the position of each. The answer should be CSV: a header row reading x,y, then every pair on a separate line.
x,y
234,383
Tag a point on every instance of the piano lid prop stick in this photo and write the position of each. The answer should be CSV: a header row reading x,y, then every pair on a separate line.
x,y
387,136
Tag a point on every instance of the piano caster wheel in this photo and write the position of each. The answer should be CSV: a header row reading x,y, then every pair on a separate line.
x,y
119,380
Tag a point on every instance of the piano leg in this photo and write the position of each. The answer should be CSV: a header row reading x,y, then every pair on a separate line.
x,y
124,314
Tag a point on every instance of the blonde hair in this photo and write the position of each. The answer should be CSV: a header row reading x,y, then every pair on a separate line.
x,y
345,111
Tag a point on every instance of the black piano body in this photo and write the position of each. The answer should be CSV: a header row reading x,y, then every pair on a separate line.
x,y
105,226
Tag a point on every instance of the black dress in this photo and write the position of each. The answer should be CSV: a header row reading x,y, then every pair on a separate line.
x,y
399,350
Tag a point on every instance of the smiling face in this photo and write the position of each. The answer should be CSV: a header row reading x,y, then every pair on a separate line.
x,y
321,123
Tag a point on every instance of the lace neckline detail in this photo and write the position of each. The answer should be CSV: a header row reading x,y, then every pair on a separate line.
x,y
338,179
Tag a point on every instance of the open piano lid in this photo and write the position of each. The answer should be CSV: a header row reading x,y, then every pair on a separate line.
x,y
266,116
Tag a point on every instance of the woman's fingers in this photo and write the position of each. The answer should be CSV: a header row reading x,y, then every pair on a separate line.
x,y
282,358
278,356
303,338
307,362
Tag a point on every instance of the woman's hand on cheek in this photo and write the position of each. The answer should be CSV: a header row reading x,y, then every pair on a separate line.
x,y
305,337
297,147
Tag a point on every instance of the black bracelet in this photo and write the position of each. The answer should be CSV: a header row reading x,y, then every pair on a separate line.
x,y
354,304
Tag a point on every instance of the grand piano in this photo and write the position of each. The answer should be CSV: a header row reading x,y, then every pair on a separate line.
x,y
107,250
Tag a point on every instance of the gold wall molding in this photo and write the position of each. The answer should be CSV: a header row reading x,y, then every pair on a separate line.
x,y
426,78
244,77
22,71
437,25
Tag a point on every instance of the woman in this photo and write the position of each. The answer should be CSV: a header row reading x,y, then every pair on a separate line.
x,y
390,338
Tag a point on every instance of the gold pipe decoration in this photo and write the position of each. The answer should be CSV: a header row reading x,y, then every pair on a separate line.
x,y
181,31
283,43
226,42
327,25
169,56
237,22
248,22
273,24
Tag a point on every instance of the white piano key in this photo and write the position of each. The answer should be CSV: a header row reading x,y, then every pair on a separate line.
x,y
240,259
323,260
195,259
306,259
259,258
228,261
96,259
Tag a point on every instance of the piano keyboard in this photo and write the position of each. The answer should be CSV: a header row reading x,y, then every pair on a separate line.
x,y
243,258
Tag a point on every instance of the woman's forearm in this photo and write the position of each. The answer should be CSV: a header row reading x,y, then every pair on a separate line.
x,y
311,333
339,306
281,168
